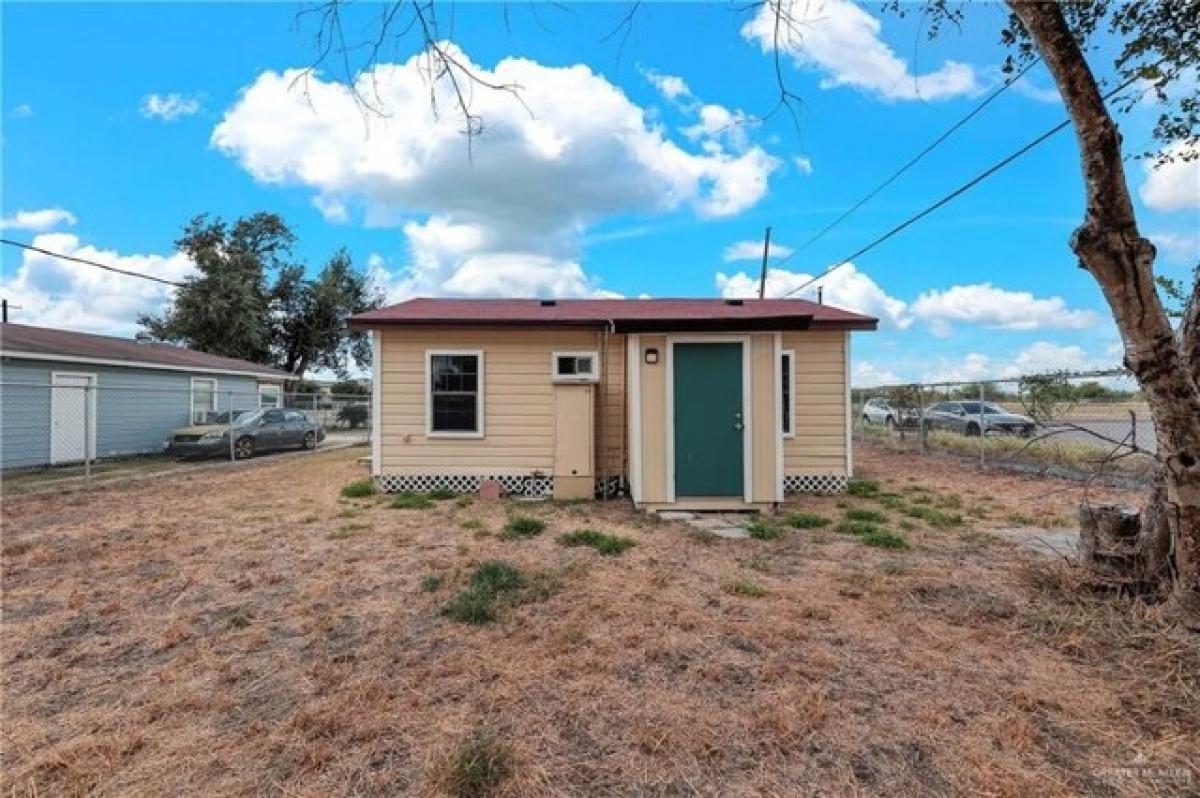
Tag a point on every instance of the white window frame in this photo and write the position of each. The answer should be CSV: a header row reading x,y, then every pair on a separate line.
x,y
790,354
594,376
215,404
479,389
268,390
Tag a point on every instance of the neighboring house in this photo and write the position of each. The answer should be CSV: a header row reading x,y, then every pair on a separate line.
x,y
142,391
687,403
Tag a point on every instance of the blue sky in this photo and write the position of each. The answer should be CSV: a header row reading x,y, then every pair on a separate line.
x,y
121,122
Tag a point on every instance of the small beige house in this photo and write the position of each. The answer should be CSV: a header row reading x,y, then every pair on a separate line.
x,y
683,403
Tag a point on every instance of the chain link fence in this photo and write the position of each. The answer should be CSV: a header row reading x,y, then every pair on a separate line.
x,y
74,432
1078,425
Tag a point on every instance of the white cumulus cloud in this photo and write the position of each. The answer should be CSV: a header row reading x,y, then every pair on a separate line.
x,y
1178,247
37,221
752,250
169,107
1040,357
842,41
1172,186
985,304
671,87
573,151
55,293
846,288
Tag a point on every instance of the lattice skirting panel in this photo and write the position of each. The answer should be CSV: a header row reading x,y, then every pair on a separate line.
x,y
815,483
464,483
610,488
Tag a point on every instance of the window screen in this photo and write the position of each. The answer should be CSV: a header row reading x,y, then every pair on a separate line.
x,y
785,387
454,393
204,399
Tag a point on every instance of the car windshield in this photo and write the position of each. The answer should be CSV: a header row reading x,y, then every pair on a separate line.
x,y
244,417
223,416
989,409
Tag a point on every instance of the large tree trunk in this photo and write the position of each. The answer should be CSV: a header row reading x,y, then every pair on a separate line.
x,y
1112,249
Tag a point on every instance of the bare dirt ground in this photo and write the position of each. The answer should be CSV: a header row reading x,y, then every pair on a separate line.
x,y
251,632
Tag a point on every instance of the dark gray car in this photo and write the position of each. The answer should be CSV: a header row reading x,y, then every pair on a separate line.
x,y
253,431
965,418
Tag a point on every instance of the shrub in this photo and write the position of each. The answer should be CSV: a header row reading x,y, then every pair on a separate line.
x,y
763,530
410,501
746,587
805,520
882,539
353,416
856,527
863,488
431,582
441,494
479,765
359,488
522,526
610,545
870,516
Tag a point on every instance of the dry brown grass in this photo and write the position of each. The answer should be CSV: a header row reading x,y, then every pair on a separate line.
x,y
211,635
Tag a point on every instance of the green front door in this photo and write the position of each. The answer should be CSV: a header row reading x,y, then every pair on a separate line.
x,y
708,420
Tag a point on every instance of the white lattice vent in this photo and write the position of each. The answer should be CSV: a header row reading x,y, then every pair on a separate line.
x,y
815,483
464,483
609,488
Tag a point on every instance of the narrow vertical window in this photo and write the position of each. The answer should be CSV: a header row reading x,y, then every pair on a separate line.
x,y
455,388
787,360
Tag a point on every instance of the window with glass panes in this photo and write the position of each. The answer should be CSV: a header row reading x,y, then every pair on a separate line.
x,y
454,386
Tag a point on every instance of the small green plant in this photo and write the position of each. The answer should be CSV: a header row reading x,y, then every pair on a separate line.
x,y
472,606
860,528
870,516
806,520
893,501
610,545
763,530
441,494
522,526
474,524
495,576
479,765
746,587
410,501
863,488
882,539
933,516
359,488
431,582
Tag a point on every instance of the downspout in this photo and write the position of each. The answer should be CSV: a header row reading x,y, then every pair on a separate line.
x,y
601,405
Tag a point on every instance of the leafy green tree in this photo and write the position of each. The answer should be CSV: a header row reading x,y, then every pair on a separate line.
x,y
251,300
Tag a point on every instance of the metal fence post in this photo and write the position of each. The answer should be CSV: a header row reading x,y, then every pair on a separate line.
x,y
921,417
982,431
87,435
229,408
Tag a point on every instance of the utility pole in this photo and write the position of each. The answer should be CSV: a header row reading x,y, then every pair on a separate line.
x,y
762,280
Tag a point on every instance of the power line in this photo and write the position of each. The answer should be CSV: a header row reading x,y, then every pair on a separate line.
x,y
87,262
964,188
910,163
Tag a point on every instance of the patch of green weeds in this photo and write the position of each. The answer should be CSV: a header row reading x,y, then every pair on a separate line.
x,y
933,516
431,582
806,520
863,488
239,618
883,539
610,545
760,563
870,516
347,530
522,526
479,765
495,582
441,494
763,530
746,587
359,488
858,528
410,501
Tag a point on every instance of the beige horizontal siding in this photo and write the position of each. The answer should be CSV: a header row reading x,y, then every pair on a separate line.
x,y
518,400
819,445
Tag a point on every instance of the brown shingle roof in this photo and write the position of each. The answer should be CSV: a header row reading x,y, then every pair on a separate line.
x,y
627,315
29,340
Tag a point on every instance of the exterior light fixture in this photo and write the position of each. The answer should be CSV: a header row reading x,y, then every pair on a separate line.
x,y
651,356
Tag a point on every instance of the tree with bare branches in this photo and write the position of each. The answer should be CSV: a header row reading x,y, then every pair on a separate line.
x,y
1158,53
